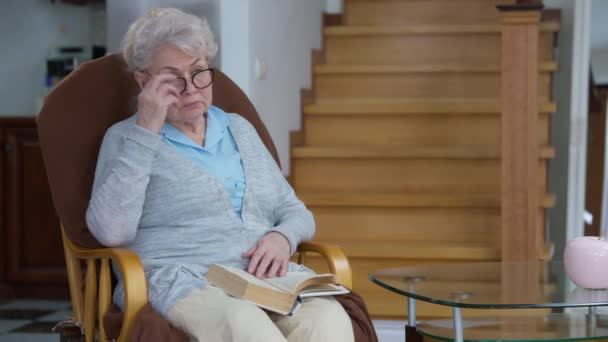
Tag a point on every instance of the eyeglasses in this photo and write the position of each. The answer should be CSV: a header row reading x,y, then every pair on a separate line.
x,y
200,79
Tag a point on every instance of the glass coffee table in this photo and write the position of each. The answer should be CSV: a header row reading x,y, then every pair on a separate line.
x,y
496,285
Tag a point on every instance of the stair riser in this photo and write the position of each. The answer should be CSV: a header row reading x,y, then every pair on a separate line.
x,y
389,12
408,224
416,85
422,49
403,175
379,130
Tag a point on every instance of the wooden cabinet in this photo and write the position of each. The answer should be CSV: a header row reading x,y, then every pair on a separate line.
x,y
33,264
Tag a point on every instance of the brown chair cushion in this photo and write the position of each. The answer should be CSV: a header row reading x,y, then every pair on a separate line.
x,y
75,117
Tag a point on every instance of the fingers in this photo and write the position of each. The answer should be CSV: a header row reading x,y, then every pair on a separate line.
x,y
269,258
255,260
168,93
263,266
158,99
157,80
274,268
159,87
249,252
260,263
284,267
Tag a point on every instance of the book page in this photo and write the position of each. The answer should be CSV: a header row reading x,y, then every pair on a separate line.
x,y
323,290
293,281
248,277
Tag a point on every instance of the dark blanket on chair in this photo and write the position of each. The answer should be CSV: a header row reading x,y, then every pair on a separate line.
x,y
356,309
150,326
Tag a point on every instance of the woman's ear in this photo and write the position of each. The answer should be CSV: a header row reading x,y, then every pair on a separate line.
x,y
140,78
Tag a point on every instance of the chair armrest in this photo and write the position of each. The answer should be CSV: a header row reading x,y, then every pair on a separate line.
x,y
133,277
335,258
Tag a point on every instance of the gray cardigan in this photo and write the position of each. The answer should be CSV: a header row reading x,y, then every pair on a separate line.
x,y
178,218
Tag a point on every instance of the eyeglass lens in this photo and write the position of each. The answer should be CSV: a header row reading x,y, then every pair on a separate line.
x,y
200,79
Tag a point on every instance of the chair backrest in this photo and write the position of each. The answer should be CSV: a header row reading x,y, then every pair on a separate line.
x,y
77,113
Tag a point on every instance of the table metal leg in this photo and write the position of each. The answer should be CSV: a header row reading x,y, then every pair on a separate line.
x,y
592,321
593,313
411,335
411,312
458,329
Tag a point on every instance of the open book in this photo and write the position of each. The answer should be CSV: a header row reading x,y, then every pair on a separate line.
x,y
281,294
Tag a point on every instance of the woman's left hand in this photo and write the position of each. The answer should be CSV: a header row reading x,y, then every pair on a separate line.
x,y
269,257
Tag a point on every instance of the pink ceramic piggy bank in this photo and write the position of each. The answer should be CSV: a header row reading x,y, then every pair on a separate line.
x,y
586,262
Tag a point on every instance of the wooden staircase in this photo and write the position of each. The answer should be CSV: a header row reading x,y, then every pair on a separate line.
x,y
399,157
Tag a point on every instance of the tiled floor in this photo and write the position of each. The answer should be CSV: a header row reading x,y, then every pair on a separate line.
x,y
31,320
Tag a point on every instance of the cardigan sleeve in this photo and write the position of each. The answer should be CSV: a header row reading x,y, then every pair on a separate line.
x,y
121,178
292,219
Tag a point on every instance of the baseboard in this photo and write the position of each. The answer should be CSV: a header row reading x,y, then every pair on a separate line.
x,y
390,330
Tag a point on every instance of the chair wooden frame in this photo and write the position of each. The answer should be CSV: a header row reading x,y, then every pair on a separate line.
x,y
90,309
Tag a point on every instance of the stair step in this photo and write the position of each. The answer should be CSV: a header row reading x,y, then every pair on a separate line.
x,y
434,44
375,30
412,106
404,175
407,224
409,200
405,152
333,69
410,129
357,81
391,12
421,251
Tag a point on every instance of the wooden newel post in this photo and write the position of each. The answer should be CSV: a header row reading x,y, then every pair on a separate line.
x,y
520,148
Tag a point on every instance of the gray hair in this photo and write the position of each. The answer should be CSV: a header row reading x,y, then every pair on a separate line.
x,y
159,26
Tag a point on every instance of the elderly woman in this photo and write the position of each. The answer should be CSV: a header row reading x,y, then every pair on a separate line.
x,y
186,185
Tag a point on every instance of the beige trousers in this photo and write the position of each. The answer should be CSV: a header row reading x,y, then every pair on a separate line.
x,y
209,314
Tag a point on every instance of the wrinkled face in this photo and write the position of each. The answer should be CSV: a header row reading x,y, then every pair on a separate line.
x,y
191,78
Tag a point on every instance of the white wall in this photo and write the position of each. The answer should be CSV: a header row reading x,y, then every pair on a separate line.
x,y
119,16
560,125
569,123
599,41
236,42
283,34
599,64
28,30
334,6
599,24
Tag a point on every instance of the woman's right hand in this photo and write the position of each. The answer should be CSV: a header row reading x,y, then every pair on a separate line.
x,y
156,99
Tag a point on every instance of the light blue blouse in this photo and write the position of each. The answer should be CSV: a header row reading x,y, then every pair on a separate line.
x,y
219,157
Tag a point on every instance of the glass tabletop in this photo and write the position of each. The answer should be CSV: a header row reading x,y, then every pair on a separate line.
x,y
490,285
553,327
